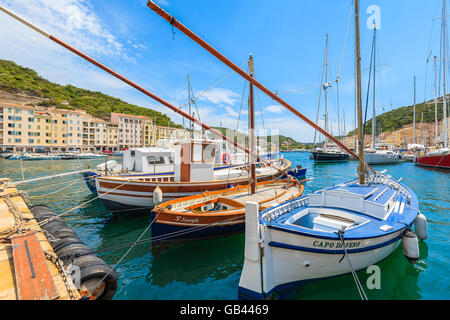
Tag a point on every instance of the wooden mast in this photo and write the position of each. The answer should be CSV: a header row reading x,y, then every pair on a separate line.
x,y
175,23
361,167
251,128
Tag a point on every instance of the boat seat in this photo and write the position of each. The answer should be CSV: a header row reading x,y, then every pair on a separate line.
x,y
326,222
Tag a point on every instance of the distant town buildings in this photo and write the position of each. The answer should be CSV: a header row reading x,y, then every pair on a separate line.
x,y
28,128
425,135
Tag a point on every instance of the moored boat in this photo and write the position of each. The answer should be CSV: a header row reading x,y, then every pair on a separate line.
x,y
320,155
194,173
374,156
438,159
217,213
307,238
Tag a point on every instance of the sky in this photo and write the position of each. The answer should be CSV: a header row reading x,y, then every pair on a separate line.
x,y
286,39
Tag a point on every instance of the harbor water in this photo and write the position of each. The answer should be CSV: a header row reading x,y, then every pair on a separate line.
x,y
210,269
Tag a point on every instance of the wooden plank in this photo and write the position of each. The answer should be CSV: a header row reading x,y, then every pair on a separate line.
x,y
33,278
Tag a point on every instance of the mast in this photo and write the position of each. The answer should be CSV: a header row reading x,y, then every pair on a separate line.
x,y
414,116
189,110
374,115
325,87
443,73
436,133
318,104
251,128
361,166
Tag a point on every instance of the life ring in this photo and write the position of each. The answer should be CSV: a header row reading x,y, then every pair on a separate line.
x,y
226,158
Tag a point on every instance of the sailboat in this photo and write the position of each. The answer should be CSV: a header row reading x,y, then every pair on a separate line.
x,y
330,152
376,155
332,231
440,158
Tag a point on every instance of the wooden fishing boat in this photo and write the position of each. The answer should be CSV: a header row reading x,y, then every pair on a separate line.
x,y
308,238
219,212
194,173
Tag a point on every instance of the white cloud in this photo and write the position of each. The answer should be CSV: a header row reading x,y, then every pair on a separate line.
x,y
162,2
275,108
73,21
220,95
231,112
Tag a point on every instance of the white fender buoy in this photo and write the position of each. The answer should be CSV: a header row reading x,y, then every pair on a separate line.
x,y
420,226
157,196
410,246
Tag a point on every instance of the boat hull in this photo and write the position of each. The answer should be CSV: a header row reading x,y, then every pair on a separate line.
x,y
437,161
131,193
304,239
329,157
381,158
180,227
300,263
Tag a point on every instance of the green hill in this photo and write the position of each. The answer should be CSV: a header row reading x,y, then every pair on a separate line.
x,y
285,143
17,79
397,118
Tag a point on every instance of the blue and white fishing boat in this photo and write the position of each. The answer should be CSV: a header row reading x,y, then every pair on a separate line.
x,y
308,238
333,231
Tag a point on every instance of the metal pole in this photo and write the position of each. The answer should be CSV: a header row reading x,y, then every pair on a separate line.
x,y
414,116
435,106
444,58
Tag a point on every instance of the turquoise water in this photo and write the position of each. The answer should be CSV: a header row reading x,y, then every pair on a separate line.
x,y
211,269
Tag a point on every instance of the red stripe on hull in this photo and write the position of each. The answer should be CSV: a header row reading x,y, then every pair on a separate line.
x,y
119,185
438,161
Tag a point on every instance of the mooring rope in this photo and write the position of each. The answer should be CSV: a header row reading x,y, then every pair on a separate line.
x,y
120,260
84,203
359,286
56,191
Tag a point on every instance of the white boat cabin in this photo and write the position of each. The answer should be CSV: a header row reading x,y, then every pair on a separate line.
x,y
195,160
148,160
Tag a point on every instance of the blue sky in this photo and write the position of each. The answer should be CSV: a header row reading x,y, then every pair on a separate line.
x,y
286,38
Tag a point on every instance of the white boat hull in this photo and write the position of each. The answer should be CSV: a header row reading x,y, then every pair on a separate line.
x,y
381,157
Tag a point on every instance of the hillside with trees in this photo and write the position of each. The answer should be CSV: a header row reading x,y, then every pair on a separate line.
x,y
21,80
400,117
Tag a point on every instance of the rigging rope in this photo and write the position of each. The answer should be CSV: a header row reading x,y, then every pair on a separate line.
x,y
345,42
211,87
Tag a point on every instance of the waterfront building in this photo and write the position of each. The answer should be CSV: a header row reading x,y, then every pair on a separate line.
x,y
131,133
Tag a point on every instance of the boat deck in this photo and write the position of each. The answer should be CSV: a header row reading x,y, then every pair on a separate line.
x,y
400,214
267,195
25,271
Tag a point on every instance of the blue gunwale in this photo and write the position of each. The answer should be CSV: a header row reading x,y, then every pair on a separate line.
x,y
367,230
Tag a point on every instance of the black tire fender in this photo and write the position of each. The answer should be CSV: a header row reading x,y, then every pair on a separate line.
x,y
91,275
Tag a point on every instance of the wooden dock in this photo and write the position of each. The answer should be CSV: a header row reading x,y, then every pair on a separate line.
x,y
29,269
